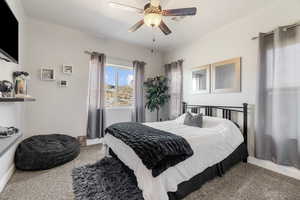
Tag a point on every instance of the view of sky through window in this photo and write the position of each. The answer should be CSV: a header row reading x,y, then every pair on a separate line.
x,y
119,86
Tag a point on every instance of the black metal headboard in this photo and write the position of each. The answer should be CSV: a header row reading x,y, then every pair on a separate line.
x,y
227,112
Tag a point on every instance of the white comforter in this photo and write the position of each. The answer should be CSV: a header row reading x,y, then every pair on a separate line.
x,y
211,144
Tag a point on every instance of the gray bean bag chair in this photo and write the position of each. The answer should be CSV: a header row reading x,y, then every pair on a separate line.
x,y
46,151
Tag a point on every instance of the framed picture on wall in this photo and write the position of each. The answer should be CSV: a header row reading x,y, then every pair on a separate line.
x,y
63,83
201,80
47,74
67,69
226,76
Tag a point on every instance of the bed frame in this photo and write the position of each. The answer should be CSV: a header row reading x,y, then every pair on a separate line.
x,y
240,154
227,112
219,169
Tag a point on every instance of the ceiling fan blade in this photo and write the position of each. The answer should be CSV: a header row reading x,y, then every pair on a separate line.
x,y
178,18
164,28
180,12
126,7
155,3
136,26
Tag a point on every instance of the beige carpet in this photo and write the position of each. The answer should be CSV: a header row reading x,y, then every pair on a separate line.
x,y
243,182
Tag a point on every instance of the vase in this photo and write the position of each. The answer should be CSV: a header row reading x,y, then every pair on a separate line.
x,y
21,87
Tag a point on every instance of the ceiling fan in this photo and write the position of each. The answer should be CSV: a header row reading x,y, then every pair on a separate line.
x,y
153,14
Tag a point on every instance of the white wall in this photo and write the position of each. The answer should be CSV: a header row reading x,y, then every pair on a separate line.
x,y
63,110
230,41
116,115
11,114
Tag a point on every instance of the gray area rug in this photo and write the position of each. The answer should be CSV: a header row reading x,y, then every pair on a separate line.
x,y
107,179
242,182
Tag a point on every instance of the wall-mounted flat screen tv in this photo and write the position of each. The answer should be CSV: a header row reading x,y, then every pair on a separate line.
x,y
9,34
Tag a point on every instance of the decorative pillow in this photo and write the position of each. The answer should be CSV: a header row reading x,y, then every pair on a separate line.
x,y
193,120
181,118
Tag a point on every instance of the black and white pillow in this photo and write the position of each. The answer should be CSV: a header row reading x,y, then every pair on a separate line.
x,y
193,120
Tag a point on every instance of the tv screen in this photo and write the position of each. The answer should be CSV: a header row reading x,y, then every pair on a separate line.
x,y
9,34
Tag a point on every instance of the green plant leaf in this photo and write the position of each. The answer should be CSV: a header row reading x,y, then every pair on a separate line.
x,y
156,89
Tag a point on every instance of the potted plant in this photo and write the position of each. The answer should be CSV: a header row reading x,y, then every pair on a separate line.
x,y
156,93
20,78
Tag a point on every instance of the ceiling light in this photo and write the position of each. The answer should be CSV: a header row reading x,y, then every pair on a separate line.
x,y
152,19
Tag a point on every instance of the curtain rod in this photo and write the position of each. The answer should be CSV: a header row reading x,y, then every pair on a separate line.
x,y
88,52
94,52
288,27
180,60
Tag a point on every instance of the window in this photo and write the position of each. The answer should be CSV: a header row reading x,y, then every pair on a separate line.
x,y
119,86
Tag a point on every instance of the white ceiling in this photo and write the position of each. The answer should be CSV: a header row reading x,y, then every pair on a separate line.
x,y
97,17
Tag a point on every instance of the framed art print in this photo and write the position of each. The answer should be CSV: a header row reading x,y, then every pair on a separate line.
x,y
67,69
47,74
201,80
63,83
226,76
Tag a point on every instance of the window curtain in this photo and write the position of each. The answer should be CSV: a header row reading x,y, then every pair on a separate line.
x,y
174,74
278,119
138,114
96,97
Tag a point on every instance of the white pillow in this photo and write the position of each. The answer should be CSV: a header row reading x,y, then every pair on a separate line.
x,y
208,122
181,118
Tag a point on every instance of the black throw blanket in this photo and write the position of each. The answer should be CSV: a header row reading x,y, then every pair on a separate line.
x,y
157,149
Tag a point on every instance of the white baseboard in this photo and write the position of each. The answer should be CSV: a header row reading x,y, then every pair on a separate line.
x,y
4,180
287,171
90,142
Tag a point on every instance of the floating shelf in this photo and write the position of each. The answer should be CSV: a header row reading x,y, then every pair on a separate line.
x,y
13,99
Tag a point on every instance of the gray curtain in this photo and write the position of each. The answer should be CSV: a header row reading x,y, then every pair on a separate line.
x,y
96,97
174,74
138,114
278,119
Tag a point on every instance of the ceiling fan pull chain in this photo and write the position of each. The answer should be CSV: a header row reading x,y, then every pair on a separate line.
x,y
153,40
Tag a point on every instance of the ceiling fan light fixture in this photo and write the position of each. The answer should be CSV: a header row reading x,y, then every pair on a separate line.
x,y
153,15
152,19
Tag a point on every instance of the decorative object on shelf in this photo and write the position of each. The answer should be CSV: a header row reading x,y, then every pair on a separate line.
x,y
156,93
47,74
67,69
8,131
63,83
226,76
6,88
20,79
201,80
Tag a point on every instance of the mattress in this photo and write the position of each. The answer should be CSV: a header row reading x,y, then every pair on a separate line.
x,y
211,144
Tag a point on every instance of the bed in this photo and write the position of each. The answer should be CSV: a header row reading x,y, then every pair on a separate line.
x,y
217,146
